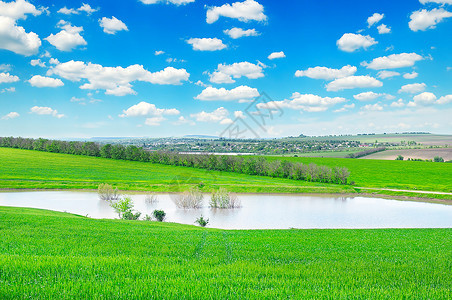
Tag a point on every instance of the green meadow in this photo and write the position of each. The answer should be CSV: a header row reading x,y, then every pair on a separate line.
x,y
28,169
46,254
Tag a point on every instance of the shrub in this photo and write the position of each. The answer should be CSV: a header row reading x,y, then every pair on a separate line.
x,y
400,157
201,221
123,207
223,199
189,199
438,159
107,193
151,198
159,215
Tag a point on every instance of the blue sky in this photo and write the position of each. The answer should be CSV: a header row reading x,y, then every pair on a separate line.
x,y
170,68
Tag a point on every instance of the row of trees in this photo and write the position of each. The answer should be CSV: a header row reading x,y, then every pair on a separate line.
x,y
247,165
365,152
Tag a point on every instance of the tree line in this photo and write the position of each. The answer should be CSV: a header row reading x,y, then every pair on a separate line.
x,y
246,165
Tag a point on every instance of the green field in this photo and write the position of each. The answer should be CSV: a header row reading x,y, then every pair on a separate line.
x,y
43,170
46,254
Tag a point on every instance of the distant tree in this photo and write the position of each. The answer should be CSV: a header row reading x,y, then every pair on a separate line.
x,y
105,151
438,159
400,157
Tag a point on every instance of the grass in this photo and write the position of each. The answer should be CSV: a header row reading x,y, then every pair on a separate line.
x,y
46,254
27,169
409,175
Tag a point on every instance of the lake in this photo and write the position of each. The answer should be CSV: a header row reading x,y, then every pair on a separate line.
x,y
258,211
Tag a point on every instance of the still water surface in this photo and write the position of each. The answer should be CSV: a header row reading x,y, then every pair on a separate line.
x,y
257,211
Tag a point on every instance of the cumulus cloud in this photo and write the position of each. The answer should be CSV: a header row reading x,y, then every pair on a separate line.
x,y
176,2
351,42
345,108
112,25
18,9
145,109
372,107
236,33
159,52
115,80
383,29
72,11
42,110
226,73
68,38
217,115
8,78
37,62
411,75
242,92
243,11
8,90
327,73
445,99
393,61
14,38
412,88
276,55
305,102
352,82
425,19
42,81
424,98
206,44
374,19
367,96
399,103
436,1
387,74
11,115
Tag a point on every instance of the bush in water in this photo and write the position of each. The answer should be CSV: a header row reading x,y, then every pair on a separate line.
x,y
201,221
189,199
107,193
123,207
223,199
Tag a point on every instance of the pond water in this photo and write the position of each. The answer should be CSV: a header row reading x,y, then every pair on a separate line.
x,y
262,211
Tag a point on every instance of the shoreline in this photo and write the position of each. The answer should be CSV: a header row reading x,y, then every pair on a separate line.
x,y
320,194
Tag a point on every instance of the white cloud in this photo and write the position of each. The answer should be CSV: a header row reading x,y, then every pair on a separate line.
x,y
242,92
383,29
424,19
239,114
372,107
115,80
206,44
445,99
236,33
176,2
436,1
374,19
243,11
367,96
15,39
305,102
411,75
182,120
352,82
8,78
159,52
144,109
387,74
5,67
87,8
351,42
154,121
8,90
217,115
42,110
425,98
18,9
37,62
72,11
41,81
225,73
11,115
327,73
68,38
276,55
113,25
393,61
412,88
398,103
345,108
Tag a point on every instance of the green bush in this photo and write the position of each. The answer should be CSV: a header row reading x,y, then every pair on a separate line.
x,y
159,215
201,221
123,207
223,199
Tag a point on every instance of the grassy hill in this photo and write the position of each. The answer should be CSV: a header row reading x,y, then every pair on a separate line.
x,y
46,254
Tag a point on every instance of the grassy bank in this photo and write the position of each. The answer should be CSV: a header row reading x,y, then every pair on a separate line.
x,y
28,169
47,254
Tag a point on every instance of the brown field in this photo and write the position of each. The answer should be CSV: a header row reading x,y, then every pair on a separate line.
x,y
445,153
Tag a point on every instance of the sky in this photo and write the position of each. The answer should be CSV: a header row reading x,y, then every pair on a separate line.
x,y
161,68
